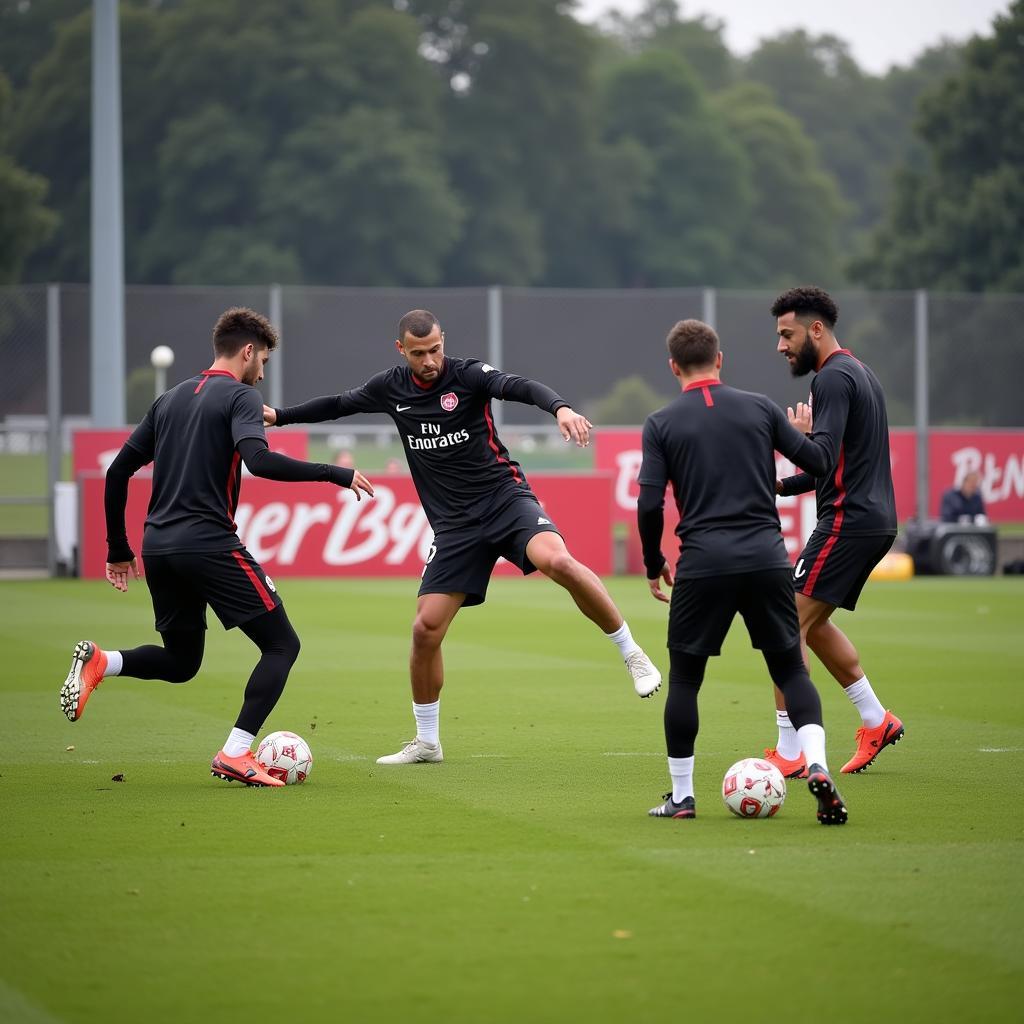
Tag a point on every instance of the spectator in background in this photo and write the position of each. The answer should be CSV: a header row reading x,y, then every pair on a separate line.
x,y
964,504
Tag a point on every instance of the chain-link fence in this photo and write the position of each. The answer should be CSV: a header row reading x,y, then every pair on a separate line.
x,y
603,350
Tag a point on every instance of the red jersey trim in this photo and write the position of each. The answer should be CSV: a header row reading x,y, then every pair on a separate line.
x,y
494,447
207,374
710,382
232,495
268,601
837,525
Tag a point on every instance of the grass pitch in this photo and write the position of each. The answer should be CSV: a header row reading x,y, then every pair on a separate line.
x,y
520,880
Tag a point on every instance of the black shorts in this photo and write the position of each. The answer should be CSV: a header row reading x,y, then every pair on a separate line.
x,y
702,611
833,568
230,582
461,560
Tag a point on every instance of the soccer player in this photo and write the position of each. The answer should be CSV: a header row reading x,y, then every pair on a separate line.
x,y
197,435
476,499
716,446
856,515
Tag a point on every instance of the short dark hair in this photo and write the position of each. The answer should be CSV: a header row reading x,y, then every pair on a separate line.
x,y
807,302
417,322
238,326
692,344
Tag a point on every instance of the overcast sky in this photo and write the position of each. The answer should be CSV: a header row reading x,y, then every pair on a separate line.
x,y
880,32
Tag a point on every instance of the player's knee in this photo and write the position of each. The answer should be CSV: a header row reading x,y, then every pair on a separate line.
x,y
560,565
814,632
427,632
184,669
290,647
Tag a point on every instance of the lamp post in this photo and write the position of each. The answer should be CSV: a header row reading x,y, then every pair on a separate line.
x,y
161,357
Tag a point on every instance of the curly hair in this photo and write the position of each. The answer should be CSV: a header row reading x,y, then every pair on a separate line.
x,y
807,302
237,327
692,344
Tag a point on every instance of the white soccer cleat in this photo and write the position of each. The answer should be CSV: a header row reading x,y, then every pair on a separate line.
x,y
646,678
416,751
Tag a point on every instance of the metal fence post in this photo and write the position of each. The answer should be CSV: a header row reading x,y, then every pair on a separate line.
x,y
275,384
495,355
709,307
54,434
921,398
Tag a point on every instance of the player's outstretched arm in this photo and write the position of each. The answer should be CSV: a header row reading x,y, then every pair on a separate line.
x,y
262,462
120,557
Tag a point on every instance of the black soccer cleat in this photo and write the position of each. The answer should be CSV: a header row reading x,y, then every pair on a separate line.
x,y
686,808
831,808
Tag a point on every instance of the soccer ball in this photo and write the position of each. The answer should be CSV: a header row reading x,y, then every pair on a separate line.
x,y
753,788
285,756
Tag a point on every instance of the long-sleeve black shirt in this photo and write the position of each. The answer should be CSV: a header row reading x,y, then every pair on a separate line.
x,y
197,435
715,445
457,460
855,492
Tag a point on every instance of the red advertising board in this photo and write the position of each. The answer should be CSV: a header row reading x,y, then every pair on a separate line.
x,y
997,455
313,529
94,450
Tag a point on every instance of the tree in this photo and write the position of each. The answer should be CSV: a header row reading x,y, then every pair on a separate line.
x,y
25,223
365,200
659,25
792,231
217,100
957,224
695,195
520,135
27,32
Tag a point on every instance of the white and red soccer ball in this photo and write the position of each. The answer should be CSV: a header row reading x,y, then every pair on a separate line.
x,y
753,788
286,757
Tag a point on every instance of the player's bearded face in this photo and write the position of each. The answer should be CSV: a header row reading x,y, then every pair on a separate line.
x,y
805,358
425,356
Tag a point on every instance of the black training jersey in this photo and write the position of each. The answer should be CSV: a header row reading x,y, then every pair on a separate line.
x,y
716,446
457,461
191,434
855,494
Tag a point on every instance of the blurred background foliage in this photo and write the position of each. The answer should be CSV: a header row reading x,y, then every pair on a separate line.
x,y
462,142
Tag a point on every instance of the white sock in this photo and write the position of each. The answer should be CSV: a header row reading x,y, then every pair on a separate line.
x,y
115,662
239,742
681,771
872,714
427,725
788,745
812,742
623,639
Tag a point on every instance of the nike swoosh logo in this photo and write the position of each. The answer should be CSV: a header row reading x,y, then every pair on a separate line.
x,y
402,408
799,570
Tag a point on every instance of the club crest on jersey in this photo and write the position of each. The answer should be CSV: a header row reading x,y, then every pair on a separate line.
x,y
449,401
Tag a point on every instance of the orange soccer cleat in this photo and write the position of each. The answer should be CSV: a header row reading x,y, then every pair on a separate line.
x,y
871,741
244,768
795,769
88,663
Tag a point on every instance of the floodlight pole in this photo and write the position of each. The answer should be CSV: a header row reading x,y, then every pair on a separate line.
x,y
275,383
107,374
495,342
921,399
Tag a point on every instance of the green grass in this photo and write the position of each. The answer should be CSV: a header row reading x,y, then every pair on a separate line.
x,y
520,880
